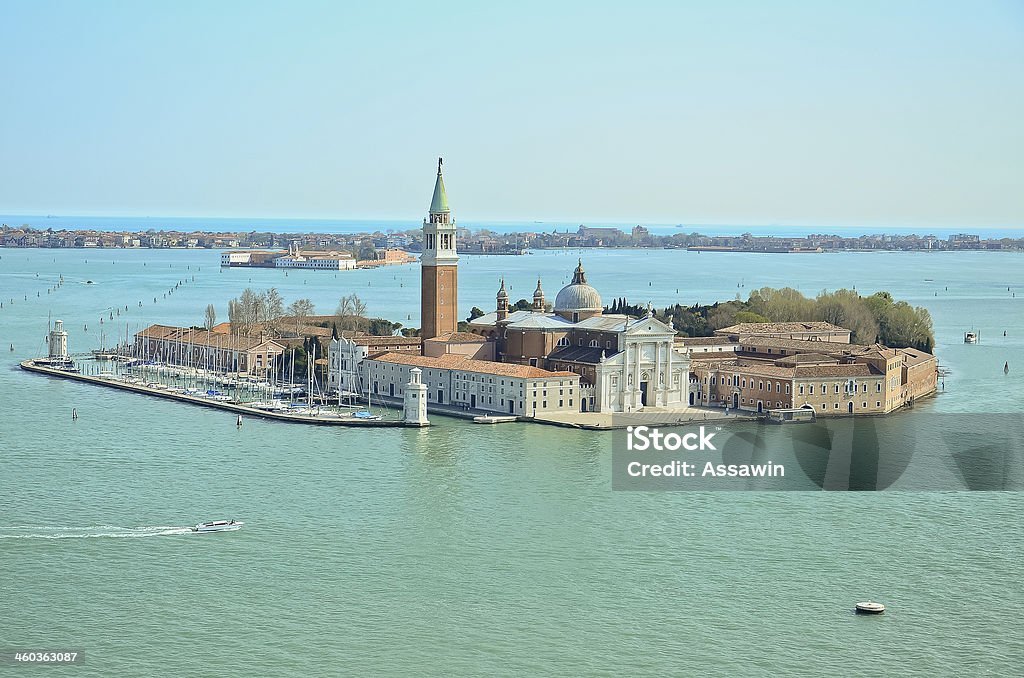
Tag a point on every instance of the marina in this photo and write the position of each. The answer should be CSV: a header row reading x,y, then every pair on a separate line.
x,y
319,415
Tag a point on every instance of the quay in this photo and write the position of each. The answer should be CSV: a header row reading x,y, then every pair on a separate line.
x,y
322,420
590,421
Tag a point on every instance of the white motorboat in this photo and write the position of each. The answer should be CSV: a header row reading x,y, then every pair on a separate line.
x,y
219,526
870,607
970,337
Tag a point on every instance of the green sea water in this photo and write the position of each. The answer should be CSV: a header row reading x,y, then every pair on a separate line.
x,y
475,550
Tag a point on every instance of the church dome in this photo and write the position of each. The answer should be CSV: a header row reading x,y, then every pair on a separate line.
x,y
578,295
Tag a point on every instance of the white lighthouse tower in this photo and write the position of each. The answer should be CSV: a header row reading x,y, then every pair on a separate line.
x,y
415,410
58,340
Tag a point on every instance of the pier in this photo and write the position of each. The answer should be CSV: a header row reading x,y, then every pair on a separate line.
x,y
322,419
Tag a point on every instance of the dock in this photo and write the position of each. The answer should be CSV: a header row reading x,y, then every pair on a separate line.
x,y
237,408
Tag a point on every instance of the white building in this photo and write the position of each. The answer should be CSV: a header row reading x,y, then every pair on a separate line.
x,y
328,261
455,380
345,355
646,371
234,258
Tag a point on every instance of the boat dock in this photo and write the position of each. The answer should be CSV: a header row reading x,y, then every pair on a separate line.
x,y
322,419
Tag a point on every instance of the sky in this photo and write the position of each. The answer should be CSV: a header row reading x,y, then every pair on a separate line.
x,y
871,113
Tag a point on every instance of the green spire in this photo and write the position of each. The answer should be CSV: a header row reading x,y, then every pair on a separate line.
x,y
439,203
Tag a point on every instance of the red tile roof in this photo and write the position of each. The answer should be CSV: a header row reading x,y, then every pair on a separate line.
x,y
452,361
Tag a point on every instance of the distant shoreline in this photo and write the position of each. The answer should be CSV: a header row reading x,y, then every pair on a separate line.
x,y
362,244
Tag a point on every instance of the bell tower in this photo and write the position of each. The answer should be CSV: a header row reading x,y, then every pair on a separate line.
x,y
538,298
502,308
439,300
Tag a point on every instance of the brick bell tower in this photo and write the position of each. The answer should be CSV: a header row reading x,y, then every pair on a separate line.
x,y
439,266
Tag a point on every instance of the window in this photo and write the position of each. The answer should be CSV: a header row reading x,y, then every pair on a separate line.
x,y
564,341
810,389
593,343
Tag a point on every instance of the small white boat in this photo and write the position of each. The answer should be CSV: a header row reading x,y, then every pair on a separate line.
x,y
870,607
970,337
218,526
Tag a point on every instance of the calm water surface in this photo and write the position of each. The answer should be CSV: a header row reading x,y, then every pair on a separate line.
x,y
471,550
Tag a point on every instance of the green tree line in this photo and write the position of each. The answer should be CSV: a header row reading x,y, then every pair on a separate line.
x,y
876,318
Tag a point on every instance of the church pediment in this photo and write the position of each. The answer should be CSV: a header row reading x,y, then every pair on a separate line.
x,y
649,327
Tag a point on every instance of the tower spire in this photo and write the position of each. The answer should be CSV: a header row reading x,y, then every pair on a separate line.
x,y
502,309
538,298
439,203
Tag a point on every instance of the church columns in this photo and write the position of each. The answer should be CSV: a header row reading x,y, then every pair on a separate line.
x,y
659,376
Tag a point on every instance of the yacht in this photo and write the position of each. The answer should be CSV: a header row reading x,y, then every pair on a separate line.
x,y
219,526
62,363
970,337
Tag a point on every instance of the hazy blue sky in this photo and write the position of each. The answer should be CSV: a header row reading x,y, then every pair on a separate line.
x,y
881,113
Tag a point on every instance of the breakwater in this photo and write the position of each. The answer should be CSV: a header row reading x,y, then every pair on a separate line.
x,y
321,419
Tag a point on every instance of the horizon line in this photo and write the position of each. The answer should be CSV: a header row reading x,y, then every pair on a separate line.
x,y
535,223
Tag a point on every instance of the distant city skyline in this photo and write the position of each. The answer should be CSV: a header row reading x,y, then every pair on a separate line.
x,y
865,114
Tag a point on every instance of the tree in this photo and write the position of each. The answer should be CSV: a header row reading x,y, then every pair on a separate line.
x,y
474,313
234,316
272,308
749,317
299,310
381,327
781,305
522,305
846,308
351,313
249,307
211,316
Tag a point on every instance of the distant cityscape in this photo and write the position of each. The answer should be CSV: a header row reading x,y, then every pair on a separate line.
x,y
366,246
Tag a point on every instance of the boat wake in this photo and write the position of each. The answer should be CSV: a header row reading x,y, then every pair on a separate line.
x,y
90,532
